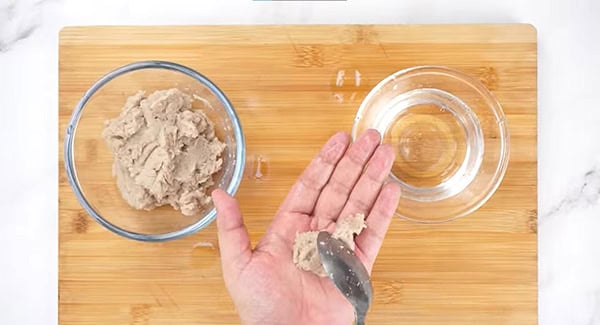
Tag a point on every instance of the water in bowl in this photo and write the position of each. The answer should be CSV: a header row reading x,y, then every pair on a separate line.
x,y
438,142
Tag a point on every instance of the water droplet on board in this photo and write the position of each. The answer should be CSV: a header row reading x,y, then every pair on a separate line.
x,y
258,174
357,78
339,80
203,244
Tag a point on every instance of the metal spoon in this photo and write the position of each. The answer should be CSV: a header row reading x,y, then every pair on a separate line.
x,y
347,273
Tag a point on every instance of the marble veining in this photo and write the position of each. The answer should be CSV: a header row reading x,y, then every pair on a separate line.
x,y
18,20
586,194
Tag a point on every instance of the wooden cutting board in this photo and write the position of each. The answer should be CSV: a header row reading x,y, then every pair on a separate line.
x,y
479,269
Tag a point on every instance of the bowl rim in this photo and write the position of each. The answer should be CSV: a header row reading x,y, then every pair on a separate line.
x,y
501,122
69,159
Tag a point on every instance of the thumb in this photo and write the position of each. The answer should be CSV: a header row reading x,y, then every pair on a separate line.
x,y
234,242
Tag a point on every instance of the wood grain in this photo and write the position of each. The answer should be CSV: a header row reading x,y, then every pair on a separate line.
x,y
281,79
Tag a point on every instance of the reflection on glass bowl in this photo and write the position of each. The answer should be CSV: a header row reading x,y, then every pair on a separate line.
x,y
450,137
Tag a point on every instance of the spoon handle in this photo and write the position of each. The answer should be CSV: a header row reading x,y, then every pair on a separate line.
x,y
360,317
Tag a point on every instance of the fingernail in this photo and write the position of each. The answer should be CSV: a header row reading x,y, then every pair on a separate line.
x,y
335,151
336,146
389,154
375,131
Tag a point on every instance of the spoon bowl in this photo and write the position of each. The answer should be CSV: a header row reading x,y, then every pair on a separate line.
x,y
347,272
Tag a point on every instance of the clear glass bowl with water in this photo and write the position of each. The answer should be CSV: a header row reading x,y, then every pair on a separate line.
x,y
450,137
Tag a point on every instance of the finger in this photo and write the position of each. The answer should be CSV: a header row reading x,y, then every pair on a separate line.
x,y
370,182
370,239
305,192
346,173
234,242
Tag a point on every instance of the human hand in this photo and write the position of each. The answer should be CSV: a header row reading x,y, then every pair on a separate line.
x,y
265,285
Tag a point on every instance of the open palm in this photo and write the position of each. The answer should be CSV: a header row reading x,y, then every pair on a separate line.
x,y
343,179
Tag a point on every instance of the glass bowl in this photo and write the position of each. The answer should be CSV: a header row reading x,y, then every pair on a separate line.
x,y
450,137
88,159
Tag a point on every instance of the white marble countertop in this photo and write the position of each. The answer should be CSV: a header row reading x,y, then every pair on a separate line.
x,y
568,115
